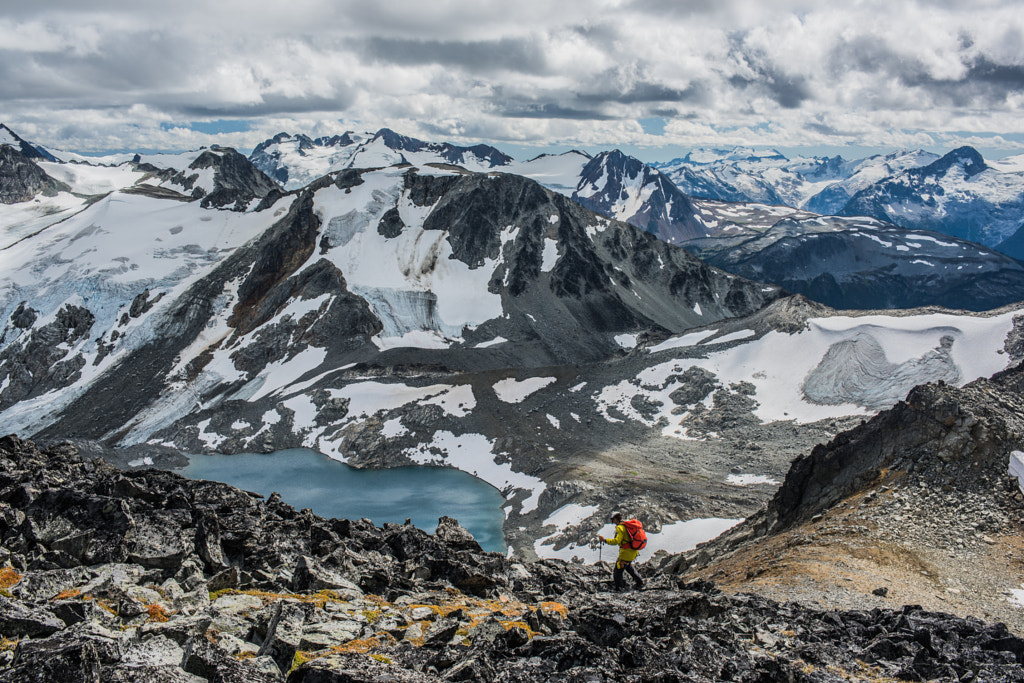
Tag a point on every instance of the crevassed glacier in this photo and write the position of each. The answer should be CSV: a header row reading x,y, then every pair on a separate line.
x,y
857,371
404,310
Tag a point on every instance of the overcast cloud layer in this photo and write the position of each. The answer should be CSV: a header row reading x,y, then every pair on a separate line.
x,y
133,74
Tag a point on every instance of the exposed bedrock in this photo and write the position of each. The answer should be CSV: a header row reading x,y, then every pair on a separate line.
x,y
21,179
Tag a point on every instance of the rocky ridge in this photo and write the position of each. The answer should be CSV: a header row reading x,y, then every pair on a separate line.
x,y
296,160
118,576
21,179
914,504
958,194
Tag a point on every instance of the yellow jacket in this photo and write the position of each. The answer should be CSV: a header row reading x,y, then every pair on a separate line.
x,y
621,539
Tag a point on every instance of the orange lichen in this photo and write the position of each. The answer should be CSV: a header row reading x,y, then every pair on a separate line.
x,y
359,646
8,577
509,625
556,607
67,594
104,604
157,613
319,599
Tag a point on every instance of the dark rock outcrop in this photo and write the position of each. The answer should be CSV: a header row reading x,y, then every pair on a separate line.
x,y
21,179
237,183
42,358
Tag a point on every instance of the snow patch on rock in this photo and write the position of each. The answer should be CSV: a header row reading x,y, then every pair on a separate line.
x,y
516,391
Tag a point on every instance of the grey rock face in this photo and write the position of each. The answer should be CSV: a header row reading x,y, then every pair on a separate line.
x,y
21,179
40,360
237,183
18,621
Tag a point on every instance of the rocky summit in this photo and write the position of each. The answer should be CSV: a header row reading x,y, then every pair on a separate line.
x,y
125,576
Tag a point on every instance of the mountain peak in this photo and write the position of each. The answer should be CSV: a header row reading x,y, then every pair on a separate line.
x,y
399,142
21,179
27,149
966,157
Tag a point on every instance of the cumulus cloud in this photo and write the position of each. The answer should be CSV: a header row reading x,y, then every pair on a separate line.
x,y
120,74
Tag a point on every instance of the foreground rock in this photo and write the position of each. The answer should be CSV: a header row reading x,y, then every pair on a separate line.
x,y
114,576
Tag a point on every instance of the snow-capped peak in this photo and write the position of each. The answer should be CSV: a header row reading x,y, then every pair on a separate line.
x,y
28,150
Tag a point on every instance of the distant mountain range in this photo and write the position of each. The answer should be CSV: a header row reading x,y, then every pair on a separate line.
x,y
959,194
733,208
296,160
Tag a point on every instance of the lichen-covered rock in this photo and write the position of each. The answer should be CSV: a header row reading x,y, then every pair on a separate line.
x,y
349,668
310,575
478,617
18,619
68,663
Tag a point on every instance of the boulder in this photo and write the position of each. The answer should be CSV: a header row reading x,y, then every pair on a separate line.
x,y
331,633
67,663
455,536
149,674
157,651
223,580
208,661
159,539
310,575
441,632
18,620
356,668
44,585
280,627
180,629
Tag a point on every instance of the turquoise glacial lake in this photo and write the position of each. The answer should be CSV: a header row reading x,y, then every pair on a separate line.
x,y
307,479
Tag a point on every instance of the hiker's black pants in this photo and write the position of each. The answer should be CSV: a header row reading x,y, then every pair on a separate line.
x,y
627,567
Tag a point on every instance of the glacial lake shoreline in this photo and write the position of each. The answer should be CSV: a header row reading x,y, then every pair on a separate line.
x,y
307,479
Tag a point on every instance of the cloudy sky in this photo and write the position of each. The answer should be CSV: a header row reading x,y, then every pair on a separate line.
x,y
652,77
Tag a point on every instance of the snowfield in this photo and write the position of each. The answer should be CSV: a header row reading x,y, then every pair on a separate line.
x,y
778,365
474,453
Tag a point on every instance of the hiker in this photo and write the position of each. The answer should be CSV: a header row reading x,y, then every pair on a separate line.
x,y
626,554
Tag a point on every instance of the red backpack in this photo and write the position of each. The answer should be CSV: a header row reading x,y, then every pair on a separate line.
x,y
636,533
